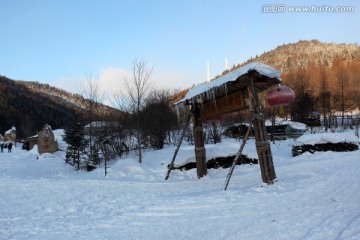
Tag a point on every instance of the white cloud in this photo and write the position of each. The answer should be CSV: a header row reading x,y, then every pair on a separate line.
x,y
69,84
170,79
112,80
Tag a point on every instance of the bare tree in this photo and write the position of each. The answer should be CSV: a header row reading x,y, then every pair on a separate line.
x,y
325,96
90,89
343,81
136,89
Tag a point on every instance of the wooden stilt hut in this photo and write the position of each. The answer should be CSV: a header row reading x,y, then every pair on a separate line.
x,y
237,90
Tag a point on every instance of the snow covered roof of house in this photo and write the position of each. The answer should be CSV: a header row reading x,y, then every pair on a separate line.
x,y
96,124
101,124
208,90
9,131
292,124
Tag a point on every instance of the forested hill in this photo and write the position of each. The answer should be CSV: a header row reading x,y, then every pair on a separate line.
x,y
72,100
31,105
303,53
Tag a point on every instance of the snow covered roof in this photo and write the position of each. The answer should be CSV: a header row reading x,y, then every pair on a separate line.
x,y
47,126
96,124
101,124
10,131
221,82
294,125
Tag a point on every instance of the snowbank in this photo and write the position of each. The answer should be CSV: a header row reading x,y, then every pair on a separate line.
x,y
311,139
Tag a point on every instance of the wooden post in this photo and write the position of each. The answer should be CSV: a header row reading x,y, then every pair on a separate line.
x,y
106,159
261,138
273,125
200,154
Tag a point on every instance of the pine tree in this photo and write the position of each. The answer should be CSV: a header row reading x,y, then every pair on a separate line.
x,y
74,136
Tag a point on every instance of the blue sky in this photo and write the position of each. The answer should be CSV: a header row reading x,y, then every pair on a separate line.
x,y
59,42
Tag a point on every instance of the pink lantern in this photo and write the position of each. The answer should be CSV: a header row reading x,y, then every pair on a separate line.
x,y
280,96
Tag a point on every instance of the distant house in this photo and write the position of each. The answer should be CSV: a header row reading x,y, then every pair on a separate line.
x,y
285,129
94,126
311,119
100,126
30,142
10,135
281,129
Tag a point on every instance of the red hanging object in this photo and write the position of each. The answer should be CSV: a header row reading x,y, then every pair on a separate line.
x,y
280,96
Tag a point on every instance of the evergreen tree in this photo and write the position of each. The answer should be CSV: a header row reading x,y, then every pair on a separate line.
x,y
157,118
74,136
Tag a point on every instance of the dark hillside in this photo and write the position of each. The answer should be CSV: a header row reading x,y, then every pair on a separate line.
x,y
29,109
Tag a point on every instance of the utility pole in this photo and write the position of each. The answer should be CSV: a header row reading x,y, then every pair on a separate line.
x,y
208,71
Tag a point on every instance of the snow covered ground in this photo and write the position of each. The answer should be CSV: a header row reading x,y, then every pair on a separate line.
x,y
317,196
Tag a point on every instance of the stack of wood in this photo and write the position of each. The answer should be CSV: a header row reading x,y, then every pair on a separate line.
x,y
223,162
323,147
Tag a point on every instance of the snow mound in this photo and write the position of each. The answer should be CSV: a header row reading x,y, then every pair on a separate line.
x,y
312,139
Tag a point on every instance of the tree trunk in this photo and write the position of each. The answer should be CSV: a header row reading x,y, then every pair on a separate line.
x,y
138,132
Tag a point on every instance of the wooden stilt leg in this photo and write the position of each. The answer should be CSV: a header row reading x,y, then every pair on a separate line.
x,y
200,153
262,142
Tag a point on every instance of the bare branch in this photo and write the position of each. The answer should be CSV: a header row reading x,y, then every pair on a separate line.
x,y
136,90
90,89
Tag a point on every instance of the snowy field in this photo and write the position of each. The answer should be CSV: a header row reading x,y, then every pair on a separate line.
x,y
317,196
